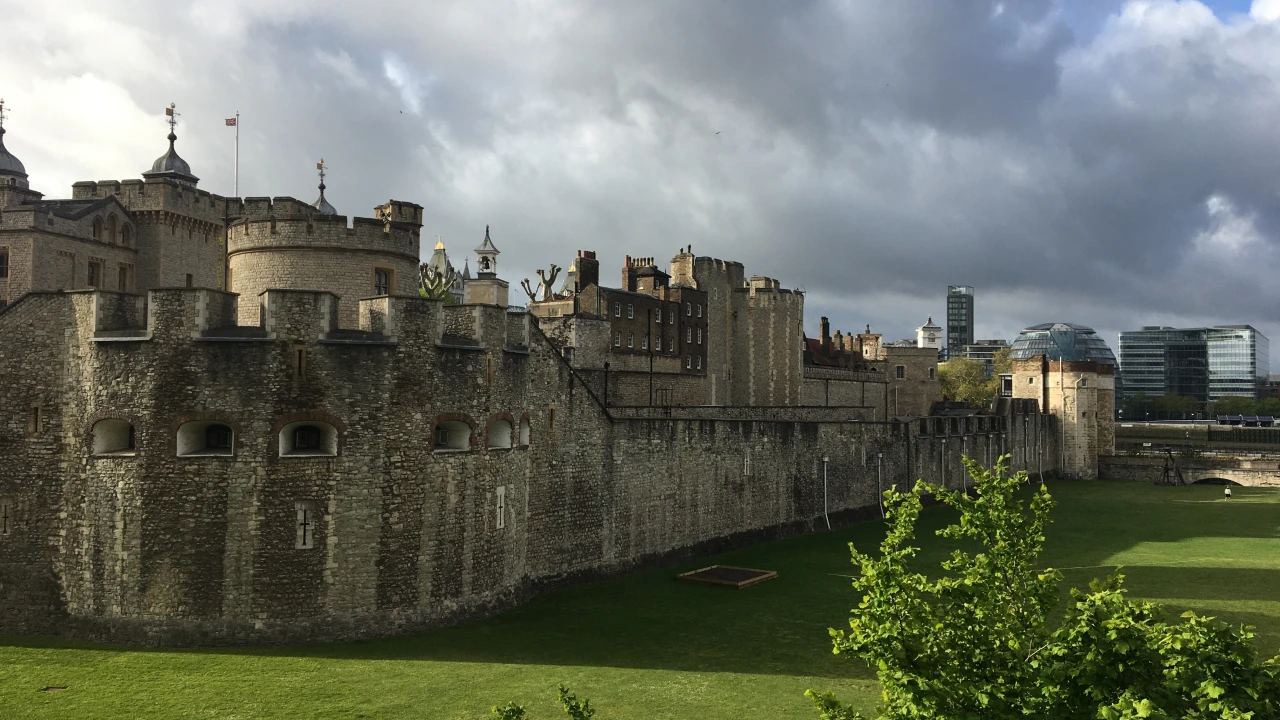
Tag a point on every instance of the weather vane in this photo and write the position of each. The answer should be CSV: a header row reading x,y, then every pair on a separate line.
x,y
172,113
320,167
1,112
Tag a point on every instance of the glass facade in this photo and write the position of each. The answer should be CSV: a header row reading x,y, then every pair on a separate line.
x,y
1202,363
959,319
1063,341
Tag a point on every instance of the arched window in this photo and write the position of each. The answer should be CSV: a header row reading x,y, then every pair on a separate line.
x,y
113,227
499,434
97,229
113,437
452,435
126,235
201,438
525,432
308,439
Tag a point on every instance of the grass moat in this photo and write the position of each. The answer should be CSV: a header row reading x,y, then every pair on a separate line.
x,y
646,646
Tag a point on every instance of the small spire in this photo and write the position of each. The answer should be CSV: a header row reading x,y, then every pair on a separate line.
x,y
323,205
439,243
172,113
2,116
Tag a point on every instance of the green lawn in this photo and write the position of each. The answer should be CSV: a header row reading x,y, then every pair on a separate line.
x,y
644,646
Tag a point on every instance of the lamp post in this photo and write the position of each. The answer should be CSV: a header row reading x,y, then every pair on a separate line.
x,y
606,383
824,491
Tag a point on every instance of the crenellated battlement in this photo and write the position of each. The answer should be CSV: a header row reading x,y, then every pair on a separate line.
x,y
284,222
156,194
206,315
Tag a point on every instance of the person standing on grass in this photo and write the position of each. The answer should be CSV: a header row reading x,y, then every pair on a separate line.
x,y
1227,492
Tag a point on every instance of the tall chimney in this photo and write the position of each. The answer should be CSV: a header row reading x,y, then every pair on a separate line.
x,y
826,336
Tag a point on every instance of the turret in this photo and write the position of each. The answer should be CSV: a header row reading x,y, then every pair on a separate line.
x,y
169,166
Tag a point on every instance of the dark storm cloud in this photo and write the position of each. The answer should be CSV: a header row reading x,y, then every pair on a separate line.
x,y
870,152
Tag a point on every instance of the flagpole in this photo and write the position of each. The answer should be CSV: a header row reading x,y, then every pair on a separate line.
x,y
237,191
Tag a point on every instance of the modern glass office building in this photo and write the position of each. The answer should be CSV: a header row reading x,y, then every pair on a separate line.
x,y
959,319
1202,363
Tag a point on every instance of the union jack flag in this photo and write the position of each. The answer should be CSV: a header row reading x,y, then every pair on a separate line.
x,y
231,122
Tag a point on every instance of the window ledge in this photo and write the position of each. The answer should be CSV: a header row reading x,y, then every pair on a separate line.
x,y
117,453
501,447
307,454
451,450
207,453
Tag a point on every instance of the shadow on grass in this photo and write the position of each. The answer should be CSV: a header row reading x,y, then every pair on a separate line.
x,y
649,621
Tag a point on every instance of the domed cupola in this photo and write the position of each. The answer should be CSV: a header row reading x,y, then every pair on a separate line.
x,y
170,165
321,204
12,171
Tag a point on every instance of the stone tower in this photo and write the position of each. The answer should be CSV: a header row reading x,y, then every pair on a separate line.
x,y
929,335
487,288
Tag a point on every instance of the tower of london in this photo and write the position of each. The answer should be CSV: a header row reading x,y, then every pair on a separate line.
x,y
241,420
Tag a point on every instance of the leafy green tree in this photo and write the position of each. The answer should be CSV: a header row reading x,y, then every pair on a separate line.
x,y
573,707
966,380
1269,406
974,642
510,711
1233,406
1002,361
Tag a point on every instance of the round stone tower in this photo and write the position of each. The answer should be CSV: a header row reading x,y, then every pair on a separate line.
x,y
283,243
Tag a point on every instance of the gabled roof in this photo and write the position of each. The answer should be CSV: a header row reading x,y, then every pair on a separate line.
x,y
487,245
77,209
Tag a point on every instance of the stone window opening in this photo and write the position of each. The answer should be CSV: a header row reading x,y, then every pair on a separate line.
x,y
499,434
900,371
452,435
203,438
126,235
631,340
631,311
308,439
97,229
191,281
1084,382
125,277
306,514
95,273
617,339
382,281
299,362
113,228
4,262
35,420
1031,381
7,516
114,437
933,373
526,431
501,503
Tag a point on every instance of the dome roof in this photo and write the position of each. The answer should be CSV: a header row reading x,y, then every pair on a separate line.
x,y
170,165
323,205
1063,341
9,165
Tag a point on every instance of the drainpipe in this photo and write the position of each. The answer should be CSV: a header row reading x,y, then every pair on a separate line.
x,y
1062,413
944,462
824,491
964,476
880,481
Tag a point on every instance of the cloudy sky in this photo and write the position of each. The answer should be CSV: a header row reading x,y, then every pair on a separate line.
x,y
1113,164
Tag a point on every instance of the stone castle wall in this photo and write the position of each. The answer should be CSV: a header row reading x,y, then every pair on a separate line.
x,y
145,545
284,244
